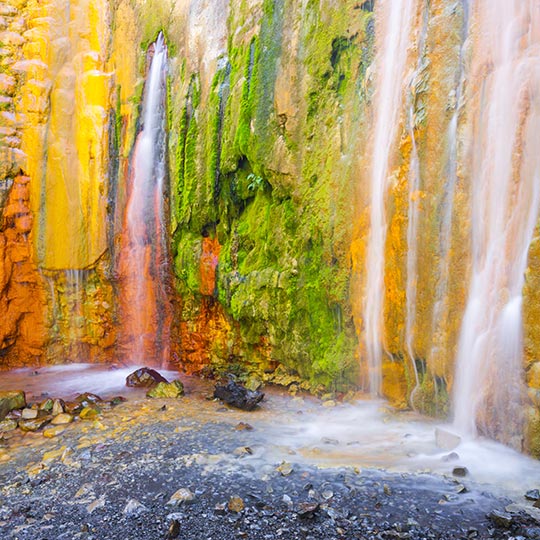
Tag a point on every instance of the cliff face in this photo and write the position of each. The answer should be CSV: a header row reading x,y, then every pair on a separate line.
x,y
270,116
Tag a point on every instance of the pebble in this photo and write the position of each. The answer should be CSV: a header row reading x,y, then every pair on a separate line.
x,y
62,418
533,495
134,508
183,495
285,469
460,471
236,504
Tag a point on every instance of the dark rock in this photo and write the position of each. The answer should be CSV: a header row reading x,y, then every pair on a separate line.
x,y
460,471
11,400
238,396
533,495
174,530
501,519
308,510
242,426
88,399
144,378
452,456
117,400
537,504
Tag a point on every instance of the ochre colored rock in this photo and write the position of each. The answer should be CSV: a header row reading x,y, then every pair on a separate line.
x,y
173,389
10,400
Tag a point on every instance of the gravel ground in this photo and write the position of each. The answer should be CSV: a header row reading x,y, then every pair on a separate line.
x,y
113,479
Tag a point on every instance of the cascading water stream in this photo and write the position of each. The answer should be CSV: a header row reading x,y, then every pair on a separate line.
x,y
395,20
413,213
505,199
143,260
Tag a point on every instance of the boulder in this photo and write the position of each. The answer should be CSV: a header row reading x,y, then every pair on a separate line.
x,y
446,440
173,389
238,396
144,378
10,400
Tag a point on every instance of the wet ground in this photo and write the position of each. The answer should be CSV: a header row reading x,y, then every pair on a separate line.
x,y
305,470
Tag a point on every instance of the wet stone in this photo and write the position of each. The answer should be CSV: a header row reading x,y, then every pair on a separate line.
x,y
501,519
174,389
460,472
307,510
533,495
62,418
238,396
236,504
8,425
144,378
28,414
183,495
34,424
11,400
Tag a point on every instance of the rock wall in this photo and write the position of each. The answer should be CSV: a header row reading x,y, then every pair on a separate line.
x,y
269,118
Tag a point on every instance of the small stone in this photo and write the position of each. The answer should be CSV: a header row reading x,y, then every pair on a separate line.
x,y
98,503
11,400
327,494
501,519
8,425
387,490
446,440
63,418
174,530
460,471
533,495
285,469
243,451
89,413
452,456
220,508
307,510
329,403
28,414
34,424
58,407
134,508
144,378
46,405
174,389
88,399
460,488
54,431
327,440
183,495
242,426
117,400
236,504
253,383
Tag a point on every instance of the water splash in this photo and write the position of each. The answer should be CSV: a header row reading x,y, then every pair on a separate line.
x,y
143,261
395,19
505,169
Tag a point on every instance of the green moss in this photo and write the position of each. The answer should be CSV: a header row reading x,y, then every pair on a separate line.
x,y
283,272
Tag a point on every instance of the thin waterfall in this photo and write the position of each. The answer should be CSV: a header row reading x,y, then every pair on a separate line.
x,y
143,260
439,319
505,180
413,212
394,20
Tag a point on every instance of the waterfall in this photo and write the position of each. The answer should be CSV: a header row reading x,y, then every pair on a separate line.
x,y
505,184
143,260
395,19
